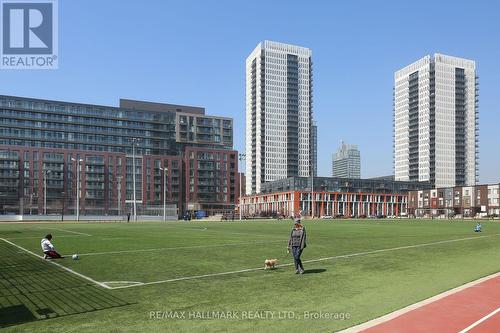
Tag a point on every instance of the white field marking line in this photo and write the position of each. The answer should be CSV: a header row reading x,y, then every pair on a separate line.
x,y
468,328
73,232
40,237
195,229
170,227
217,230
176,248
190,277
111,238
235,233
135,283
58,265
181,228
387,250
306,261
395,248
212,230
76,234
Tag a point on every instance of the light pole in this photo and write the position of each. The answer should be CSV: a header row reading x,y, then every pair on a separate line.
x,y
77,186
45,172
312,190
62,210
31,202
165,170
134,207
119,179
241,157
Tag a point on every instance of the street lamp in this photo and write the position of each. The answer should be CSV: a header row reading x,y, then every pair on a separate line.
x,y
62,210
134,141
119,180
45,173
241,157
312,188
31,202
165,170
77,186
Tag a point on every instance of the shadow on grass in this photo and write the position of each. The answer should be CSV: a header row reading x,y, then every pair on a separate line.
x,y
314,271
32,289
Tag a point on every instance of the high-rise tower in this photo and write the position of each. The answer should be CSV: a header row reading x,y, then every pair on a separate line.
x,y
435,121
278,113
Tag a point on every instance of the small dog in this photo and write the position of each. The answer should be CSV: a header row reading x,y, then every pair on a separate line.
x,y
270,263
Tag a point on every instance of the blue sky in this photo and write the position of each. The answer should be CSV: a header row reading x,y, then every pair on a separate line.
x,y
193,52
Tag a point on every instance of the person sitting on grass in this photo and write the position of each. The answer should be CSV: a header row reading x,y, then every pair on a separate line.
x,y
478,227
48,249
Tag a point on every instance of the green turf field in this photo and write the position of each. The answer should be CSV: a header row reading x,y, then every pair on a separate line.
x,y
208,276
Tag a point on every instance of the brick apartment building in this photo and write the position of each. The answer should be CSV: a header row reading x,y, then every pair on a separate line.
x,y
44,143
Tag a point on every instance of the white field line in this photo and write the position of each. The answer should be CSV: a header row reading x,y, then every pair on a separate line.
x,y
176,248
222,231
58,265
135,283
111,238
235,233
73,232
40,237
395,248
76,234
190,278
305,261
467,329
181,228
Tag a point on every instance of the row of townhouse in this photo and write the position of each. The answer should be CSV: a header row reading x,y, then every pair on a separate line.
x,y
466,201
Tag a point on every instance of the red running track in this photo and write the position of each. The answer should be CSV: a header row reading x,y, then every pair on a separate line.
x,y
461,312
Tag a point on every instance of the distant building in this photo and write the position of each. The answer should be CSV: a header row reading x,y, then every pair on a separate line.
x,y
389,177
346,162
193,128
435,121
278,113
458,201
178,155
332,197
211,183
346,185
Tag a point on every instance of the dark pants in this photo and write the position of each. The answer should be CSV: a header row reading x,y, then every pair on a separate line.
x,y
296,251
52,254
